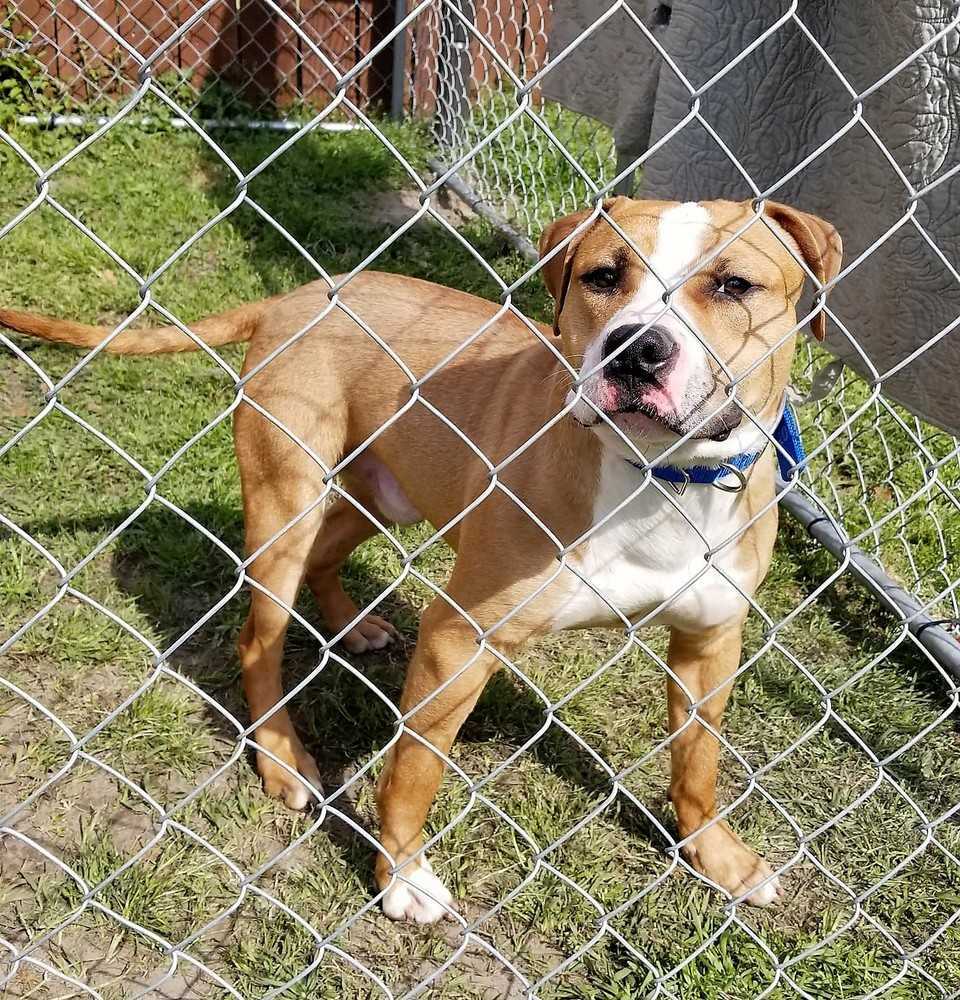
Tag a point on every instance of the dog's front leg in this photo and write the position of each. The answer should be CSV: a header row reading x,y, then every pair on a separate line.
x,y
447,656
702,662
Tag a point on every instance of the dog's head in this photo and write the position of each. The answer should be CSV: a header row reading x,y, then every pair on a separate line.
x,y
724,343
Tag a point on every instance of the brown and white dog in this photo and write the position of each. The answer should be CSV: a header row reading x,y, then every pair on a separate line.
x,y
690,561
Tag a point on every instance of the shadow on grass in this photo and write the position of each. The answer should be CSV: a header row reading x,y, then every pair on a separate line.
x,y
870,629
341,722
339,197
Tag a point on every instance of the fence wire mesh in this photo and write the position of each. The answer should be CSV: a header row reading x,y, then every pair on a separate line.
x,y
283,914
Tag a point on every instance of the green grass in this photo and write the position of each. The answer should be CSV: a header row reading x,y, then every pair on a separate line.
x,y
523,172
144,193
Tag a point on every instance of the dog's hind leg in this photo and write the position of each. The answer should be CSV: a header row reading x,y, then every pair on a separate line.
x,y
281,488
344,528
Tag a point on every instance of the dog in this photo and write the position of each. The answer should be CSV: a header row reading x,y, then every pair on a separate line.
x,y
681,350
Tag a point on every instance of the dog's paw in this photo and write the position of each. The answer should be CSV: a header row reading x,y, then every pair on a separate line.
x,y
281,784
723,857
418,896
371,632
767,893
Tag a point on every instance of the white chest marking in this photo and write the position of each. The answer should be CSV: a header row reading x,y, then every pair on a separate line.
x,y
651,557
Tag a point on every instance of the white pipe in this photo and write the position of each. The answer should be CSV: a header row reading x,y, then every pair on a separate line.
x,y
61,121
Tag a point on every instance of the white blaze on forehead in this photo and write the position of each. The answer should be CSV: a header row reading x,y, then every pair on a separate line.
x,y
681,239
683,235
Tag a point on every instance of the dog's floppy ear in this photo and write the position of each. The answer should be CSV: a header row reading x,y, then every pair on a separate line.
x,y
819,243
556,272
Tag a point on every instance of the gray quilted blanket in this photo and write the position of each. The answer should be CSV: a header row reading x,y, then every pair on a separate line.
x,y
778,106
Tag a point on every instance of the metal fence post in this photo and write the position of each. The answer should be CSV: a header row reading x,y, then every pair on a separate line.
x,y
398,71
626,186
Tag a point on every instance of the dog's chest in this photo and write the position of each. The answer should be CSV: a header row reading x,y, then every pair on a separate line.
x,y
649,557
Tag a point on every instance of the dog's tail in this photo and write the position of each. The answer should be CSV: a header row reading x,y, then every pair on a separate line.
x,y
232,327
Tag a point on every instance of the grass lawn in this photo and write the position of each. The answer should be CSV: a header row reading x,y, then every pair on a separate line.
x,y
872,882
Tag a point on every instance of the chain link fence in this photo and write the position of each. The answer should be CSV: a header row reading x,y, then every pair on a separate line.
x,y
874,863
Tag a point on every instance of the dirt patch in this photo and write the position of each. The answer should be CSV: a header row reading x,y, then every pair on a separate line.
x,y
394,208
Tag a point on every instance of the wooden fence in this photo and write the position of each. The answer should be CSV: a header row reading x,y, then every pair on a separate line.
x,y
253,52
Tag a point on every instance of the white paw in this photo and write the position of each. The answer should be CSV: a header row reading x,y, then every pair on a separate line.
x,y
419,896
765,894
295,796
721,855
372,632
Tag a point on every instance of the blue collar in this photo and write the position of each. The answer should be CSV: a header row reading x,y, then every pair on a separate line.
x,y
790,456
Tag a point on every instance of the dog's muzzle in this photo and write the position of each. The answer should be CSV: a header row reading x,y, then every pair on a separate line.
x,y
637,367
638,359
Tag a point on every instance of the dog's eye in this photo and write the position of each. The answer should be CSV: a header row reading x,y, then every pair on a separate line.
x,y
602,278
734,287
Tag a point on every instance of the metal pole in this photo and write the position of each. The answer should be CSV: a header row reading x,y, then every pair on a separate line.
x,y
513,236
399,69
626,185
936,640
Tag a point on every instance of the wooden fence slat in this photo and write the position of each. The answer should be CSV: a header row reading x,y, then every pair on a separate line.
x,y
209,47
34,18
329,27
424,36
538,29
73,48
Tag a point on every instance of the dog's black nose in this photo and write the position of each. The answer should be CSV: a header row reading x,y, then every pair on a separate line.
x,y
649,354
